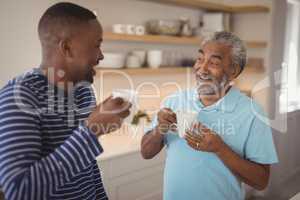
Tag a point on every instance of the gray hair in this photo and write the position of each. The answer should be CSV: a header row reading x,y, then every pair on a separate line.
x,y
239,52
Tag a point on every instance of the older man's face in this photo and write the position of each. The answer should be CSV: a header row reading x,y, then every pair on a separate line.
x,y
213,68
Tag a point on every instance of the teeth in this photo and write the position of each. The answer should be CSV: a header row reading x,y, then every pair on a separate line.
x,y
204,78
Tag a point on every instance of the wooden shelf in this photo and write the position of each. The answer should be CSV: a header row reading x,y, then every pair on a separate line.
x,y
255,65
168,39
152,39
148,71
205,4
248,9
256,44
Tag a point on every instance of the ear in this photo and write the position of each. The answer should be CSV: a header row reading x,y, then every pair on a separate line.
x,y
65,48
235,71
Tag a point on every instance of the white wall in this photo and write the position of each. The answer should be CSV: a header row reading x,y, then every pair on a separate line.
x,y
20,48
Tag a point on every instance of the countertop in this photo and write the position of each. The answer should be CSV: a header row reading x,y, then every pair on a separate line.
x,y
124,141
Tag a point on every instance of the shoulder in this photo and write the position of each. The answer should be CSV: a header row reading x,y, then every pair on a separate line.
x,y
25,86
250,107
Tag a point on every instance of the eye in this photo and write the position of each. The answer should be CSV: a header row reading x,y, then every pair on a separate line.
x,y
215,62
98,46
200,58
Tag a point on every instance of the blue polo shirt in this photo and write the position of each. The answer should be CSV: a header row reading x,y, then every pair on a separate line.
x,y
196,175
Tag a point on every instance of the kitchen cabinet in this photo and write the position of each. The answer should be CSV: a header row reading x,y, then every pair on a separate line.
x,y
130,177
126,175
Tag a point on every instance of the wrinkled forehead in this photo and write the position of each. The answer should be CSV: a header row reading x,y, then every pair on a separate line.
x,y
215,47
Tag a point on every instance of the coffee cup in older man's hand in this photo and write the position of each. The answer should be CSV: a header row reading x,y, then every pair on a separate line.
x,y
166,120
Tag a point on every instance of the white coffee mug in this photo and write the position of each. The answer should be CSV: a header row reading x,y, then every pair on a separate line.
x,y
154,58
130,96
119,28
130,29
133,61
141,54
140,30
185,119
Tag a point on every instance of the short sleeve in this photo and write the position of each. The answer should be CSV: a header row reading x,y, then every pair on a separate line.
x,y
259,145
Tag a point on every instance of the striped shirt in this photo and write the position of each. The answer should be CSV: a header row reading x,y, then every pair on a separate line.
x,y
46,152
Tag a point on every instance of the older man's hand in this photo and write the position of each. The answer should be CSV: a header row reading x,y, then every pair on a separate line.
x,y
201,138
166,120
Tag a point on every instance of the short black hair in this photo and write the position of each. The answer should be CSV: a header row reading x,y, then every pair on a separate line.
x,y
61,16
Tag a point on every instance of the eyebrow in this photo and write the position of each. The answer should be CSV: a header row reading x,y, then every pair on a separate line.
x,y
200,51
214,55
217,56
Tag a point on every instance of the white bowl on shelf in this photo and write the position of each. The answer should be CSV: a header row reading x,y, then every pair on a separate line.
x,y
112,60
133,61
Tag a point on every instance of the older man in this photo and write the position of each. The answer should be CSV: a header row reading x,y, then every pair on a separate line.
x,y
228,145
50,123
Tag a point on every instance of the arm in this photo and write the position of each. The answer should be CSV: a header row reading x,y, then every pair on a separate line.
x,y
253,174
152,143
24,172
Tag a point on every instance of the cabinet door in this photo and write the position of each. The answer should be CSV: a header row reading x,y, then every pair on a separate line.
x,y
130,177
145,184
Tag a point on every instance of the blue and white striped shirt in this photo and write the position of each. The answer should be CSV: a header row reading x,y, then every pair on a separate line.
x,y
45,150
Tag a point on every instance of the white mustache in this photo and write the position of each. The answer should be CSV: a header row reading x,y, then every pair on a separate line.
x,y
201,80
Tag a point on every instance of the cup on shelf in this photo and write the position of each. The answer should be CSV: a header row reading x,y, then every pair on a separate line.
x,y
154,58
130,29
123,29
119,28
140,30
112,60
133,61
141,54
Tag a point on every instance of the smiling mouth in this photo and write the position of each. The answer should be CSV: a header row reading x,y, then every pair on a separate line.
x,y
204,79
98,61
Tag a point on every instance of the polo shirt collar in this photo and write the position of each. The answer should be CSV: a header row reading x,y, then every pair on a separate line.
x,y
226,104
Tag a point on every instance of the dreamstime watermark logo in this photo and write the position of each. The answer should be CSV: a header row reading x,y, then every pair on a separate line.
x,y
64,97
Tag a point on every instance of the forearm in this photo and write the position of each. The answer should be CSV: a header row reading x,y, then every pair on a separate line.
x,y
251,173
152,143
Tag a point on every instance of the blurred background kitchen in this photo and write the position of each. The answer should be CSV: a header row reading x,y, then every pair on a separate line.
x,y
150,46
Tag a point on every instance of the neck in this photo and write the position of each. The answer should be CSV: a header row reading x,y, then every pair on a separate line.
x,y
208,100
56,75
